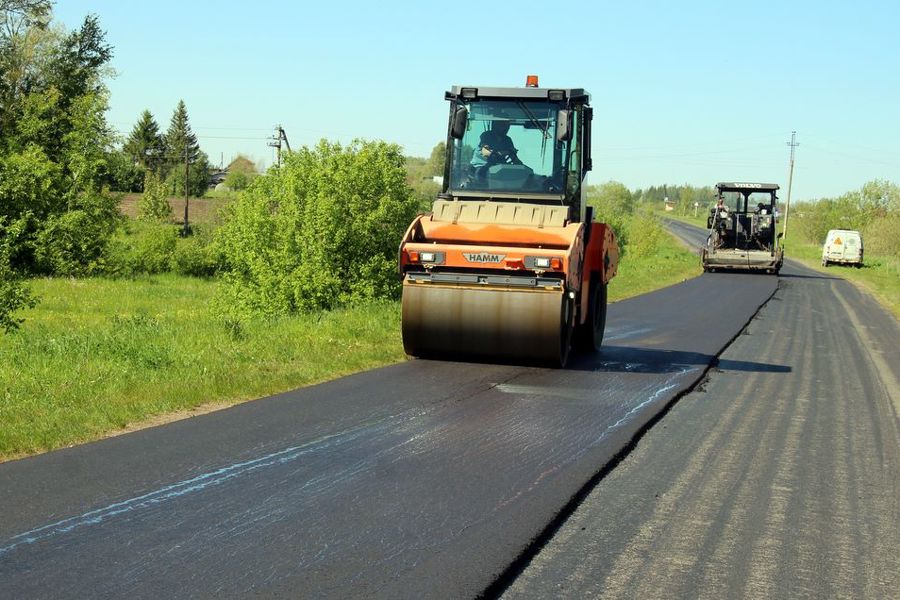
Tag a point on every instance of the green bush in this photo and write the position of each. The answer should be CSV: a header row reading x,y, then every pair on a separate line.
x,y
29,183
141,248
73,243
874,210
197,255
154,250
318,232
14,295
237,180
154,203
613,204
882,236
645,233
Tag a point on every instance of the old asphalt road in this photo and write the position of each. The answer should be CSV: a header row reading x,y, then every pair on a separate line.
x,y
424,479
780,483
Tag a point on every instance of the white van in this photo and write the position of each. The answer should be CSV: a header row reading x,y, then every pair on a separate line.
x,y
843,246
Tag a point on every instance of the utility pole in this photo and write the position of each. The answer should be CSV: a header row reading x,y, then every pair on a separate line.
x,y
279,136
793,144
276,143
186,229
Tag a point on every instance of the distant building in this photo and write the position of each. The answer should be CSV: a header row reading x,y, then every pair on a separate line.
x,y
217,177
670,205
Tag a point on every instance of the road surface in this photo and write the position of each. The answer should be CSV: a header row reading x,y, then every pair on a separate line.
x,y
759,484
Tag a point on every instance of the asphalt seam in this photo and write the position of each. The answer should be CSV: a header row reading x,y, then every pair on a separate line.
x,y
883,373
506,578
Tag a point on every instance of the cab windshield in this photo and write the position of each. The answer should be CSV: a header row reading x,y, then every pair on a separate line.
x,y
756,202
510,146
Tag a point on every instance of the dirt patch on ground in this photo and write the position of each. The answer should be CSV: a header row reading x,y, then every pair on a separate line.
x,y
200,210
169,417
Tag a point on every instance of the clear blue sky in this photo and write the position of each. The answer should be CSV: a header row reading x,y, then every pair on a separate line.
x,y
684,92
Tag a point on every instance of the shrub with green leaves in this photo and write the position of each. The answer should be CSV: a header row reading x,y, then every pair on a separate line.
x,y
645,233
613,204
72,243
882,236
197,255
237,180
318,232
141,248
54,141
14,295
154,203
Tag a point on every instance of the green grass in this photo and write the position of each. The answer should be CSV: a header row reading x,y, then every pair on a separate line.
x,y
671,264
220,194
698,221
880,275
99,355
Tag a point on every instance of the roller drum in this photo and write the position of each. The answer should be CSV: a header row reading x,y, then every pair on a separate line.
x,y
530,324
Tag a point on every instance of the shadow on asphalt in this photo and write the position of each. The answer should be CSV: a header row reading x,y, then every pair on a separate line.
x,y
624,359
799,276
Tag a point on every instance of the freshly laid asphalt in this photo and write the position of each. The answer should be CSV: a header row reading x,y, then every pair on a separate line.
x,y
781,483
423,479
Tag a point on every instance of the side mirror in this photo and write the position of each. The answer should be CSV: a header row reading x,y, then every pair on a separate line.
x,y
564,126
460,120
587,116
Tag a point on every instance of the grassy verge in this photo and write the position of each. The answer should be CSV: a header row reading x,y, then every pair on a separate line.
x,y
698,221
97,355
670,264
880,275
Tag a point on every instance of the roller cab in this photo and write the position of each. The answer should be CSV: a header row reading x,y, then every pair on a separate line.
x,y
509,263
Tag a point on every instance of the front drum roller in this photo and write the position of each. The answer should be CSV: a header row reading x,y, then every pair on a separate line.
x,y
446,320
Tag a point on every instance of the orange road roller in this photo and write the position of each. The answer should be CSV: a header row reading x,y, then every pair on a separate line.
x,y
509,263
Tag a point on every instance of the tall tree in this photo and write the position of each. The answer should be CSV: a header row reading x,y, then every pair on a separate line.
x,y
145,144
181,146
54,141
611,198
77,68
23,49
19,14
181,143
436,160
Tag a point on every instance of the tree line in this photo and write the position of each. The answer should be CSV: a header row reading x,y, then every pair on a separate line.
x,y
60,159
874,210
148,154
54,140
317,232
